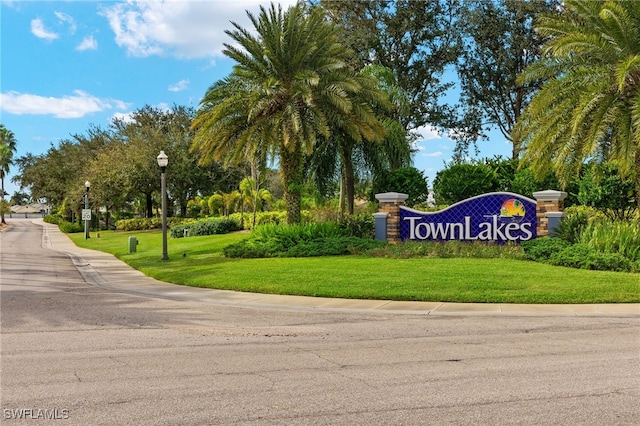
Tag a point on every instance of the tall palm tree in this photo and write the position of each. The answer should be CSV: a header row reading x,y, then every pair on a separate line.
x,y
348,157
589,108
289,84
7,150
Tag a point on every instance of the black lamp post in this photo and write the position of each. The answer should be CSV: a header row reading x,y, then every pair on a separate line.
x,y
163,160
86,207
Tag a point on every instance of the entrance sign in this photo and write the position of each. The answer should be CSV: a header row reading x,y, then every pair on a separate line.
x,y
498,216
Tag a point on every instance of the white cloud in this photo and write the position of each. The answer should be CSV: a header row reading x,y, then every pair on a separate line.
x,y
87,43
432,154
125,117
71,106
428,132
179,86
163,106
38,30
67,19
184,29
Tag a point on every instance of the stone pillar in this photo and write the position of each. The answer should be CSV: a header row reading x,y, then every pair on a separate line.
x,y
549,211
390,203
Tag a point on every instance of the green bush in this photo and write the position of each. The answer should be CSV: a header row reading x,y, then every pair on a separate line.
x,y
461,181
205,227
330,246
63,225
607,189
270,217
144,224
448,249
575,220
291,235
541,249
359,225
70,227
613,237
53,219
584,257
407,180
312,239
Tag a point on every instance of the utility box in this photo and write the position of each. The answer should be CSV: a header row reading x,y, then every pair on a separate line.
x,y
133,243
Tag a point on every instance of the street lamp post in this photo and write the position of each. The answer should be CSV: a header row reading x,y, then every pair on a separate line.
x,y
163,160
86,208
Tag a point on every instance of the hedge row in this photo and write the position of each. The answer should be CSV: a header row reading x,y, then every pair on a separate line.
x,y
205,227
143,224
558,252
66,227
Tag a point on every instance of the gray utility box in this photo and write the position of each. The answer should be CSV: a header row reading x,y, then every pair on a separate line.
x,y
133,243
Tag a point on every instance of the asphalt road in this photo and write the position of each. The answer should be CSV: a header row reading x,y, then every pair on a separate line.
x,y
76,354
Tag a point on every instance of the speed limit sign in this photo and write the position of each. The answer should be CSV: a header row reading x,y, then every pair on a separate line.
x,y
86,214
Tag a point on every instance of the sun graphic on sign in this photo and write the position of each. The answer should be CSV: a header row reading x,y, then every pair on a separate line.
x,y
512,210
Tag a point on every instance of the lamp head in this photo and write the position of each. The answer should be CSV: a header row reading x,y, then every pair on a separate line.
x,y
163,159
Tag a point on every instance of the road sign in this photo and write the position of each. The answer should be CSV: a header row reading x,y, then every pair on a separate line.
x,y
86,214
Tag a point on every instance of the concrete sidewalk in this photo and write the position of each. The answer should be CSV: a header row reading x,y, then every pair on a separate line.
x,y
106,271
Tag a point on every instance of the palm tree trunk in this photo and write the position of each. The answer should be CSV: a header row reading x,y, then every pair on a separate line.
x,y
349,180
2,206
291,166
637,158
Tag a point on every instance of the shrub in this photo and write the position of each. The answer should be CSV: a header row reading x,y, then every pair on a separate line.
x,y
462,181
53,219
143,224
360,225
407,180
613,237
206,227
584,257
291,235
541,249
70,227
270,217
448,249
330,246
571,226
608,190
312,239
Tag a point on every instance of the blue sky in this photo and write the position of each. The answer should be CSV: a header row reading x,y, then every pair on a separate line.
x,y
66,65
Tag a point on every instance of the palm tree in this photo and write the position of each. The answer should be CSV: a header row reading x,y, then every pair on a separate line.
x,y
7,149
347,156
289,85
589,107
253,196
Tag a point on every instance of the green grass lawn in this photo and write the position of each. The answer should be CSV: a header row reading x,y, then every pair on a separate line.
x,y
198,261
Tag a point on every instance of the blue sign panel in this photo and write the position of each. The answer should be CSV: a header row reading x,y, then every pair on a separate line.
x,y
497,216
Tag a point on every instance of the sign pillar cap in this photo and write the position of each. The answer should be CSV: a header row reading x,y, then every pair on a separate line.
x,y
392,197
550,195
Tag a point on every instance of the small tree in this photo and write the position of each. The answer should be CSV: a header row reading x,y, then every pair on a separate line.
x,y
408,180
606,189
461,181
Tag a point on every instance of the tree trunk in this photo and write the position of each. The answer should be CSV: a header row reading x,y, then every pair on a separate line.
x,y
349,180
149,202
637,158
291,167
2,205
